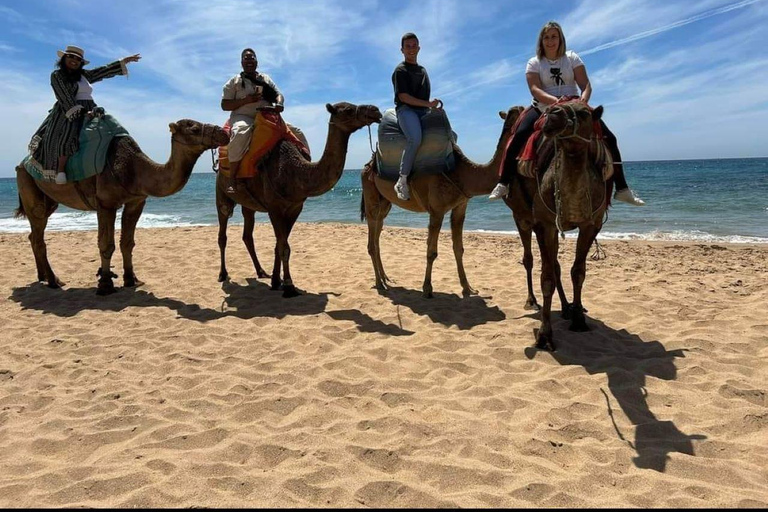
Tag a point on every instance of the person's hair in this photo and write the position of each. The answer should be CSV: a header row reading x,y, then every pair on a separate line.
x,y
406,36
71,75
540,53
247,50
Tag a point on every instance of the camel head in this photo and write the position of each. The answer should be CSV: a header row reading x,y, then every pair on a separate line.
x,y
194,133
510,116
572,122
351,117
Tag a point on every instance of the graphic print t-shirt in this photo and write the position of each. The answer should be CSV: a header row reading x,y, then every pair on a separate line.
x,y
556,76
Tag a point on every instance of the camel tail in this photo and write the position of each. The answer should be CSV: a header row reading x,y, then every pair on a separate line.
x,y
19,212
362,208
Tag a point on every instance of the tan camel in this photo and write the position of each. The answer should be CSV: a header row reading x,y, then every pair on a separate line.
x,y
437,195
127,180
570,194
285,180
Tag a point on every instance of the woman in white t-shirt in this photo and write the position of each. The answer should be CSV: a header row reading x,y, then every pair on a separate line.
x,y
552,74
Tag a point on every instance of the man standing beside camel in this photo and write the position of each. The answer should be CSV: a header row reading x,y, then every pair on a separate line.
x,y
244,95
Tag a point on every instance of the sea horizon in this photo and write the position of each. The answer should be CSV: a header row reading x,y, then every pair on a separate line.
x,y
687,200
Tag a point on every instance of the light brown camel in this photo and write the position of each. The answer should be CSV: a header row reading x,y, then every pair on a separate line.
x,y
128,179
285,180
437,195
570,194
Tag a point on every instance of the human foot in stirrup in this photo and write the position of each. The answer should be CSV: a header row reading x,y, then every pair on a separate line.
x,y
401,187
628,196
499,192
61,178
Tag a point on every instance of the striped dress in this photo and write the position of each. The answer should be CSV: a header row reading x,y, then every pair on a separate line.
x,y
58,135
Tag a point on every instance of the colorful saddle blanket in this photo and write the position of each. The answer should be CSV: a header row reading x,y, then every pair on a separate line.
x,y
91,157
435,155
269,129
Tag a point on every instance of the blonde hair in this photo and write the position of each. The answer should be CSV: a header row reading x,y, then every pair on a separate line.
x,y
540,53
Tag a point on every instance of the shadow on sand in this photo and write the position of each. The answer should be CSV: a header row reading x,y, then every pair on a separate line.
x,y
627,361
447,309
250,301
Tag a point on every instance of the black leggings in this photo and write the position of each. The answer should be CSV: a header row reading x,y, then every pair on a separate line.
x,y
524,131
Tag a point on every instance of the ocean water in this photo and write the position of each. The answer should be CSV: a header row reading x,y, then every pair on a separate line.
x,y
701,200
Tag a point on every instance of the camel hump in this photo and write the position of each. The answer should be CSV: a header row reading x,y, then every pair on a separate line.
x,y
435,154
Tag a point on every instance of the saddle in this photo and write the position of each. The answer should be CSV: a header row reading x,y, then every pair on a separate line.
x,y
269,129
95,138
435,154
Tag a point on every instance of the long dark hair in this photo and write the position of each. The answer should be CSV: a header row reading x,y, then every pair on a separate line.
x,y
71,75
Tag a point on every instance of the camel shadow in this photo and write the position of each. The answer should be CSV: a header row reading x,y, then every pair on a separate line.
x,y
447,309
257,299
627,361
367,324
68,302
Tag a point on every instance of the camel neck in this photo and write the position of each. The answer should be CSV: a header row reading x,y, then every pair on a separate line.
x,y
328,170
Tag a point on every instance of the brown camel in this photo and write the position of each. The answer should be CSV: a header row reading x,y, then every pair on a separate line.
x,y
435,194
127,180
285,180
570,194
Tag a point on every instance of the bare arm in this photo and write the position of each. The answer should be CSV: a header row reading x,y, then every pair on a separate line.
x,y
582,80
415,102
534,84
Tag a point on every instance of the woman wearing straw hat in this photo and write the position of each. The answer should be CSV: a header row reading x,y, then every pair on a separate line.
x,y
57,138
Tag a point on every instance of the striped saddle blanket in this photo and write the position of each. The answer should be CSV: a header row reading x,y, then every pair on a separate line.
x,y
91,157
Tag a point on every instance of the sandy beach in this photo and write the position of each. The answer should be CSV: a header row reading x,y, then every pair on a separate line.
x,y
189,392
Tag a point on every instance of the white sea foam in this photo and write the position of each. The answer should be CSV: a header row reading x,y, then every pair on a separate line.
x,y
672,236
85,221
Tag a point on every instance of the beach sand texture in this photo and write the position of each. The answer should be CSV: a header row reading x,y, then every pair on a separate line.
x,y
186,392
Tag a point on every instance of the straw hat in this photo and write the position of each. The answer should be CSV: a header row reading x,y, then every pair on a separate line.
x,y
73,50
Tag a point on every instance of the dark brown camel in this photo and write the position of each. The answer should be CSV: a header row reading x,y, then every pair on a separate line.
x,y
570,194
127,180
285,180
437,195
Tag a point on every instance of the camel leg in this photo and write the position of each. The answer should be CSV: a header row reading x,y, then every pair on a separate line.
x,y
131,214
37,208
525,238
224,208
565,306
435,223
282,224
106,217
250,222
578,273
546,236
376,210
457,235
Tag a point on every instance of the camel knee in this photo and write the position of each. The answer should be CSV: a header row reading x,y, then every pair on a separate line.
x,y
432,256
107,250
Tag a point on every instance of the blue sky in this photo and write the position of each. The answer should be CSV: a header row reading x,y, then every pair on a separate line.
x,y
678,79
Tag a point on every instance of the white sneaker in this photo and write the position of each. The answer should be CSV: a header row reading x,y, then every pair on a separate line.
x,y
401,187
628,196
61,178
499,192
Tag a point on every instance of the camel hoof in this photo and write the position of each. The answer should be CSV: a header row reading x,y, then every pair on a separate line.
x,y
545,342
223,276
276,285
131,281
290,291
106,289
261,274
567,312
55,285
532,305
427,295
468,292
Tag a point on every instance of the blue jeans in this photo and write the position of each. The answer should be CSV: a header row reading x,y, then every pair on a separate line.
x,y
409,119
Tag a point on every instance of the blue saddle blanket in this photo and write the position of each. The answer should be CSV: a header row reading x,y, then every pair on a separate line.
x,y
91,157
435,154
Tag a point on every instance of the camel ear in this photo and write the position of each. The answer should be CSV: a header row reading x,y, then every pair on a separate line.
x,y
331,109
502,114
173,127
597,113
